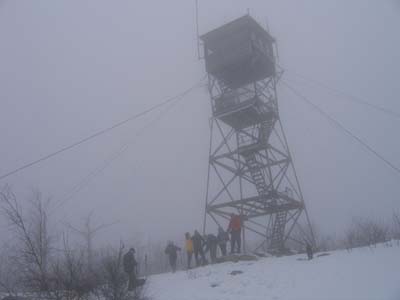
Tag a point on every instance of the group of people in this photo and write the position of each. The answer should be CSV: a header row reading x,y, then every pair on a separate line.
x,y
198,246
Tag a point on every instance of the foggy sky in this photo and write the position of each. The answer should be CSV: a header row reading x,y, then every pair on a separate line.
x,y
70,68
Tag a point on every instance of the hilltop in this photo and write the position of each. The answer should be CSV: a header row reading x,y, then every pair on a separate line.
x,y
362,273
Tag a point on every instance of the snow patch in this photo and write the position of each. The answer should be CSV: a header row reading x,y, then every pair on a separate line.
x,y
363,273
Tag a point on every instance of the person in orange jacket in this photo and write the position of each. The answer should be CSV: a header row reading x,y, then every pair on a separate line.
x,y
189,249
235,228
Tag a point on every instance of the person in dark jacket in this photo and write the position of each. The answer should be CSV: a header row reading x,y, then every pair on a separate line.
x,y
309,251
211,245
130,265
235,229
172,252
223,238
198,243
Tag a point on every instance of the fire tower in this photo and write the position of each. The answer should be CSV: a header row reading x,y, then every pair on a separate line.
x,y
250,171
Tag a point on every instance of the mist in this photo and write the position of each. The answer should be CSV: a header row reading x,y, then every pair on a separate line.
x,y
71,68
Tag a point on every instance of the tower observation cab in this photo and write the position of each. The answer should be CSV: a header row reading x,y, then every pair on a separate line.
x,y
237,55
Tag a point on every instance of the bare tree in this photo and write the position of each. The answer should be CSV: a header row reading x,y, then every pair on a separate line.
x,y
8,280
71,274
396,226
88,233
59,274
113,278
32,235
365,232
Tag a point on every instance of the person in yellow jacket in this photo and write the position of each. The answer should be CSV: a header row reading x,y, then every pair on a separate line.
x,y
188,248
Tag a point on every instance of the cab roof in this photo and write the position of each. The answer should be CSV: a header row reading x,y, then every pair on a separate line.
x,y
245,23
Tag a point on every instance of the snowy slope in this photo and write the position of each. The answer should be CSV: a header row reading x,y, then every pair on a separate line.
x,y
364,273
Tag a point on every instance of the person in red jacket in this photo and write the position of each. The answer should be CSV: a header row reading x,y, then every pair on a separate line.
x,y
235,228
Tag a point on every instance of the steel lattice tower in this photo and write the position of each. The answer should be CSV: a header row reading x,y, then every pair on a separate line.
x,y
250,166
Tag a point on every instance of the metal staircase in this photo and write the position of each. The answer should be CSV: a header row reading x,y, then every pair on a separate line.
x,y
278,231
256,173
265,131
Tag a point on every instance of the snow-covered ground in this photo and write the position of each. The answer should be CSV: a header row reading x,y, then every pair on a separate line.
x,y
364,273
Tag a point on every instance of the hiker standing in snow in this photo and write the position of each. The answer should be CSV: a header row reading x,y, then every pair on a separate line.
x,y
223,238
189,249
130,265
172,252
198,242
309,251
211,245
235,228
